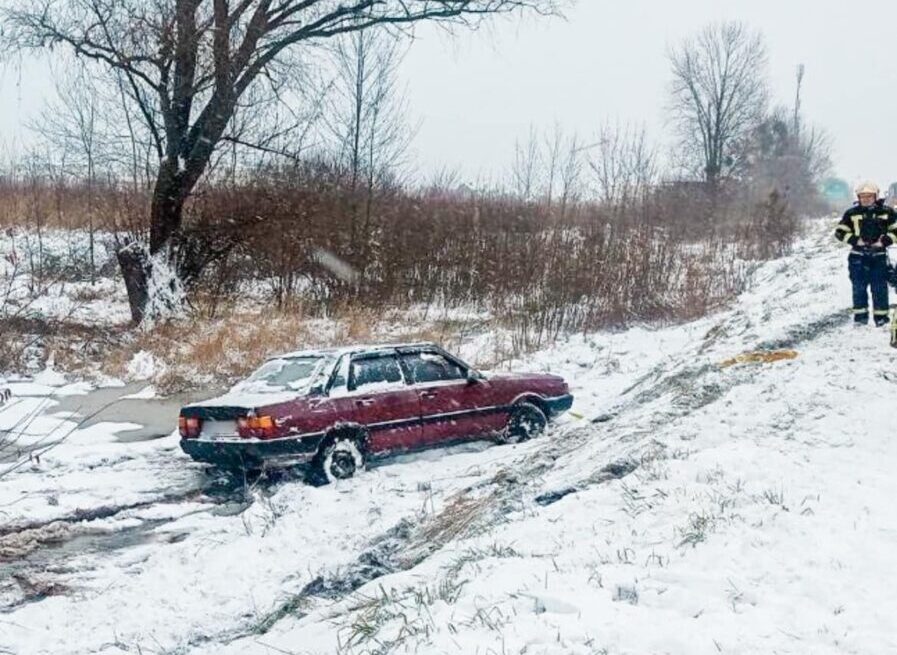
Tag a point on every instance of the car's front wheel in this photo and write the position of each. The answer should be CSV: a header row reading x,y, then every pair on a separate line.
x,y
340,459
525,422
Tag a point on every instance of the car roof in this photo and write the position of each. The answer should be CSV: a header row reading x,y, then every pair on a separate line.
x,y
352,350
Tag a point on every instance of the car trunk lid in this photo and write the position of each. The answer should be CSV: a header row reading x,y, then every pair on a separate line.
x,y
216,412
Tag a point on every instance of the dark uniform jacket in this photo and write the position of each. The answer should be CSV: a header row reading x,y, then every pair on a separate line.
x,y
878,221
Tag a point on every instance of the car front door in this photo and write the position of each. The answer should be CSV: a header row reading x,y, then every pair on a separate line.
x,y
373,392
452,407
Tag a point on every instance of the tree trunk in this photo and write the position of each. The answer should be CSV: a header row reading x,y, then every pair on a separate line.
x,y
168,205
165,221
133,263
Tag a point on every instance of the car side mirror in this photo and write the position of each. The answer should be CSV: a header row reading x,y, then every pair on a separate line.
x,y
316,390
473,377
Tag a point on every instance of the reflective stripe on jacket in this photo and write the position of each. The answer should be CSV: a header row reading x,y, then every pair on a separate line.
x,y
877,221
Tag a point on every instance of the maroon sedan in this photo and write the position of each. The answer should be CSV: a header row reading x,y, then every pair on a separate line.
x,y
334,409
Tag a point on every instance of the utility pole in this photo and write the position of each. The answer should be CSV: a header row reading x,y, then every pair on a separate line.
x,y
800,81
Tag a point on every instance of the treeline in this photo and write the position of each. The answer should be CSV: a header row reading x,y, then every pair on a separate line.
x,y
300,236
580,233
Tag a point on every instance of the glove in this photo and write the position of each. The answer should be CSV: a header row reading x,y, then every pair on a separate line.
x,y
886,241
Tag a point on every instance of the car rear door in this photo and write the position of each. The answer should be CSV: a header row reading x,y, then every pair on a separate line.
x,y
377,396
452,407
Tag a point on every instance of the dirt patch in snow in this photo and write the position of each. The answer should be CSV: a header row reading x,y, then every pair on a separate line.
x,y
16,545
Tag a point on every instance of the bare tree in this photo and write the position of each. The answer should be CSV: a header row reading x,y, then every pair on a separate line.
x,y
624,165
548,168
445,179
789,157
554,146
367,117
526,168
718,96
72,124
570,175
187,65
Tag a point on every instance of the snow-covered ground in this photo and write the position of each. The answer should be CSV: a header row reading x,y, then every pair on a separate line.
x,y
47,276
693,508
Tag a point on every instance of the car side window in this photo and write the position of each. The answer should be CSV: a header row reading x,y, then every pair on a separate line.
x,y
431,367
371,372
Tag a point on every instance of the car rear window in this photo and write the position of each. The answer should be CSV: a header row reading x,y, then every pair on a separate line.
x,y
283,374
431,367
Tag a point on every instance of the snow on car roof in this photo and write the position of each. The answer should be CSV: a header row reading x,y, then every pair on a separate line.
x,y
338,351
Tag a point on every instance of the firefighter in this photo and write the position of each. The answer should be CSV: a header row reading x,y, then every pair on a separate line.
x,y
869,227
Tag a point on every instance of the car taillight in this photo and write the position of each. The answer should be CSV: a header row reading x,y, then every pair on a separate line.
x,y
189,426
256,426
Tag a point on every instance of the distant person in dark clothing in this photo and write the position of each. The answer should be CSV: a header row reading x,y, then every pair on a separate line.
x,y
869,227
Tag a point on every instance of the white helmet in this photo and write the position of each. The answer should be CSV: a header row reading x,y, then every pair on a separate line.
x,y
867,187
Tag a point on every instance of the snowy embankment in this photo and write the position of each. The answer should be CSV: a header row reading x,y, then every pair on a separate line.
x,y
695,509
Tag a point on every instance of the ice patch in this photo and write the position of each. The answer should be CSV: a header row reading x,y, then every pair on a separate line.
x,y
146,393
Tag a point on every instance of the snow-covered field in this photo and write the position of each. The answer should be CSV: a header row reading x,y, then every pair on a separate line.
x,y
693,508
49,277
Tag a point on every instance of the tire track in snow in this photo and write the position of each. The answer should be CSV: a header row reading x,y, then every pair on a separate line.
x,y
691,387
470,510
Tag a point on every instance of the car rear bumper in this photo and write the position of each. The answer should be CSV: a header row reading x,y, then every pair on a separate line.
x,y
559,404
236,453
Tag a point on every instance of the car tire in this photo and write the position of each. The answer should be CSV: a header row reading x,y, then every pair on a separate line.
x,y
340,458
525,422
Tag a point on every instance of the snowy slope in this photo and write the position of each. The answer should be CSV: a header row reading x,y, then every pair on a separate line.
x,y
744,509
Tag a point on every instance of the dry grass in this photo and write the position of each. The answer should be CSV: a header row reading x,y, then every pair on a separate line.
x,y
17,545
88,294
199,352
27,197
193,353
218,352
455,519
760,357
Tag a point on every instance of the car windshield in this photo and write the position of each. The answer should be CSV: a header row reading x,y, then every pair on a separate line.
x,y
283,374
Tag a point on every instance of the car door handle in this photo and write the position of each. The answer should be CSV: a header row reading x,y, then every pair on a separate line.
x,y
364,401
428,394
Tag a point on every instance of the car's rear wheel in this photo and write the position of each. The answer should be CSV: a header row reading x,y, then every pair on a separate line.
x,y
340,458
525,422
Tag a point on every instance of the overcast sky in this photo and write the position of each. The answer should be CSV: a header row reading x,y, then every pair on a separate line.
x,y
479,92
476,93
